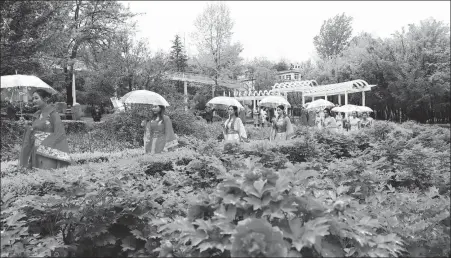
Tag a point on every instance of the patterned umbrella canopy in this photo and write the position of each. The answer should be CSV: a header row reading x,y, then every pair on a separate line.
x,y
224,102
274,101
144,97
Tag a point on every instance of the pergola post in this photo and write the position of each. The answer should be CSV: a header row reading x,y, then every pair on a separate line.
x,y
185,91
325,96
74,97
363,98
346,98
339,99
229,93
313,98
303,99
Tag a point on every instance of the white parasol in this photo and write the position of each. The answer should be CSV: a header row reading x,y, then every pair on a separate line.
x,y
274,101
346,108
364,109
224,102
24,81
144,97
319,103
21,85
351,108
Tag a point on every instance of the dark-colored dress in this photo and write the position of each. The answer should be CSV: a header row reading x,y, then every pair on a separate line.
x,y
209,116
45,143
96,115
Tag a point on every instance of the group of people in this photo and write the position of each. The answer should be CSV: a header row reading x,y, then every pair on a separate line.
x,y
341,123
281,128
45,143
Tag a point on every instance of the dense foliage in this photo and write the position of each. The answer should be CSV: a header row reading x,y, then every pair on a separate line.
x,y
383,191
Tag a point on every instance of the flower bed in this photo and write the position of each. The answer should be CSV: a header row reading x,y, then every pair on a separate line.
x,y
378,192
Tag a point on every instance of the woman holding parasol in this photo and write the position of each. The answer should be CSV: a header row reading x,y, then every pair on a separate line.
x,y
45,143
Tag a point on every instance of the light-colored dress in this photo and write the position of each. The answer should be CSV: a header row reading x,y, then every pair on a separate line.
x,y
354,123
319,122
330,123
283,129
234,130
158,133
45,143
263,117
339,120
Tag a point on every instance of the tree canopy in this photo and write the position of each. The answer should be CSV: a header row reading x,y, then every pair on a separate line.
x,y
334,36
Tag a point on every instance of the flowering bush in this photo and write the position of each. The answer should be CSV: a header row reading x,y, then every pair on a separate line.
x,y
382,191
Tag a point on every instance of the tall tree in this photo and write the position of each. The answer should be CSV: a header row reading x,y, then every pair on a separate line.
x,y
178,57
262,72
334,36
213,37
90,25
281,66
27,28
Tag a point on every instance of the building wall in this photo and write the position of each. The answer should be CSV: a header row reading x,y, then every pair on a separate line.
x,y
288,76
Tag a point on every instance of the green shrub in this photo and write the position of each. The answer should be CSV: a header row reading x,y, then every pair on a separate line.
x,y
52,210
12,133
256,213
73,126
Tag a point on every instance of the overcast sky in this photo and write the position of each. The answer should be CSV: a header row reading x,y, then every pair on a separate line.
x,y
279,29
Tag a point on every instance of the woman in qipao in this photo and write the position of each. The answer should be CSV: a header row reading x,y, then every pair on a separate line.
x,y
366,121
233,128
45,143
256,116
329,122
281,126
354,122
158,131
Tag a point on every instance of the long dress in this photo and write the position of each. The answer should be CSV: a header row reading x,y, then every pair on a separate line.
x,y
158,133
256,117
45,143
319,122
354,124
283,129
330,123
366,123
234,130
339,121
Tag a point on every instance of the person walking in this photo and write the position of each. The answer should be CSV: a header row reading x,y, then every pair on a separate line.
x,y
96,114
45,143
233,128
354,122
158,131
366,121
329,122
256,116
281,126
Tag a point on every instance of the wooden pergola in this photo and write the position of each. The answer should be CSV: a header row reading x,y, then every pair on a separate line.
x,y
308,88
189,77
